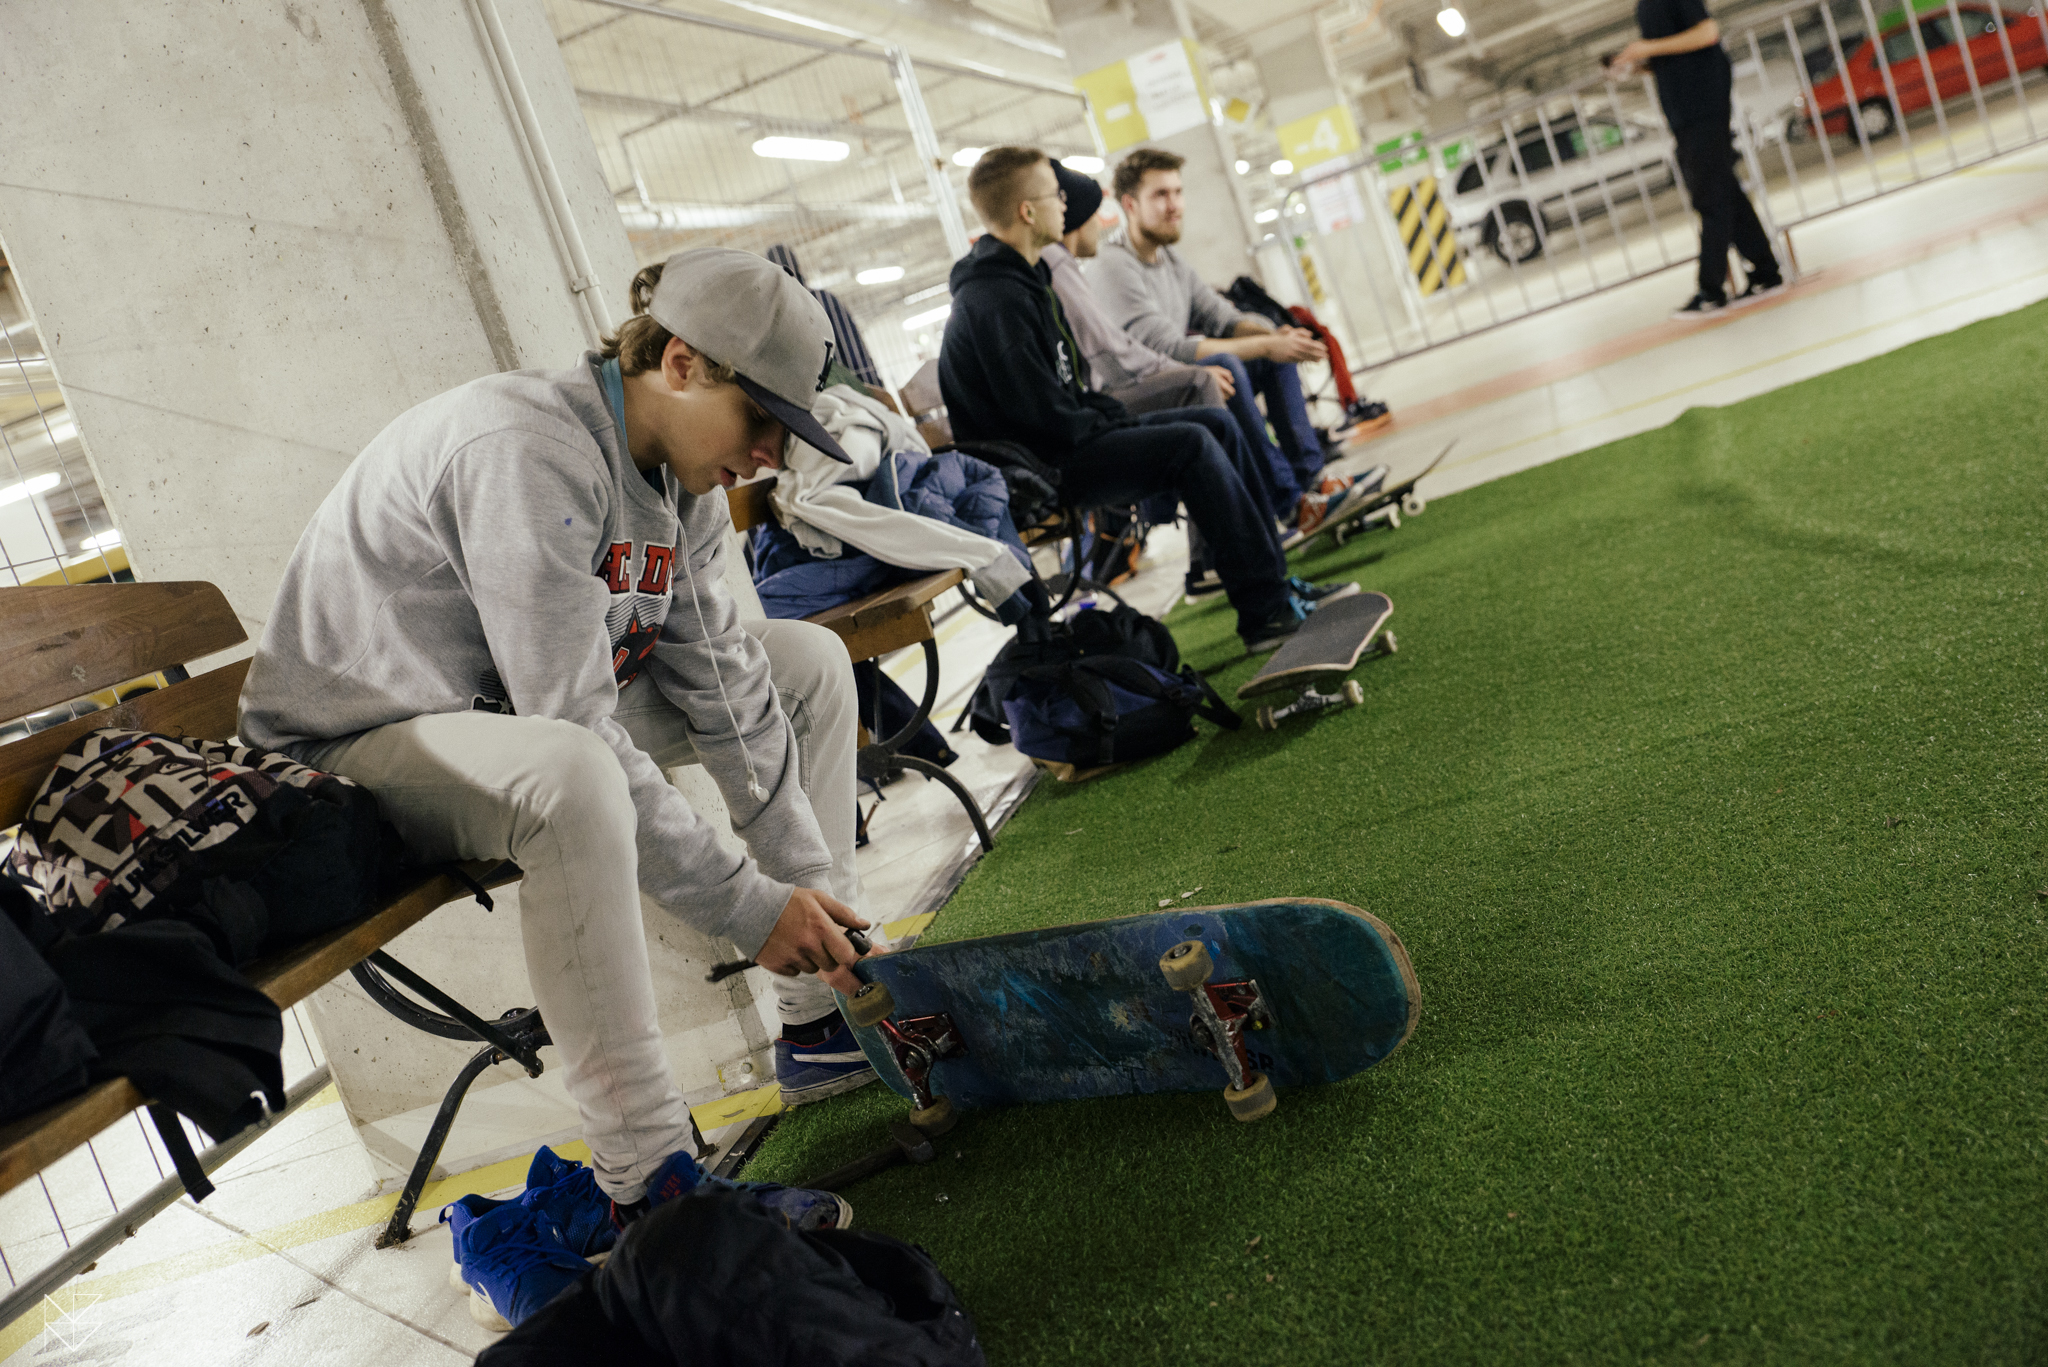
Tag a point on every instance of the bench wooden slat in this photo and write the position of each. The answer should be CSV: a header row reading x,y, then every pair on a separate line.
x,y
62,643
890,619
200,706
30,1144
749,505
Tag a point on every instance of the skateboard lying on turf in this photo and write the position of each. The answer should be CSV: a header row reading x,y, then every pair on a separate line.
x,y
1385,505
1318,656
1243,998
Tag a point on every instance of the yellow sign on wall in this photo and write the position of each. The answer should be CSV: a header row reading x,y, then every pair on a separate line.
x,y
1153,94
1319,137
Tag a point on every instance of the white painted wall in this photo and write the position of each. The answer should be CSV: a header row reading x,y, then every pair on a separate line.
x,y
251,233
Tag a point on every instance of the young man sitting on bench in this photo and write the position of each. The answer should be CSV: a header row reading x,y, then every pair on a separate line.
x,y
509,618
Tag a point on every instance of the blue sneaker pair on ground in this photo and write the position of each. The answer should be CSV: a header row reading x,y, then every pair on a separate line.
x,y
515,1256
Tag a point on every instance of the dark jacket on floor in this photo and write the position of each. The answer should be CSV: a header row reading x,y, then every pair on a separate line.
x,y
1009,368
718,1281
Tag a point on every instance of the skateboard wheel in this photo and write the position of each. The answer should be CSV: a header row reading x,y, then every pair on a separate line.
x,y
1339,536
872,1005
936,1118
1412,504
1393,516
1255,1101
1186,966
1266,722
1388,645
1353,694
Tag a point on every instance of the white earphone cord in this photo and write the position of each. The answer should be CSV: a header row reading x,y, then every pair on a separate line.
x,y
754,787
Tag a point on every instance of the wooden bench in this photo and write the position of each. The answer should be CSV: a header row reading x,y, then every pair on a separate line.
x,y
887,620
61,643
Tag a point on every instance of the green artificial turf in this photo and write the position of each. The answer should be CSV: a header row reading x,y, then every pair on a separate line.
x,y
1706,794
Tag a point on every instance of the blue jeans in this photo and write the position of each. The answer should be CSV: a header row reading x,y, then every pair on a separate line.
x,y
1179,450
1283,490
1279,383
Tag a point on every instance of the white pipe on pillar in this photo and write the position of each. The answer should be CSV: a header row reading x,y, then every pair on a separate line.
x,y
926,139
574,256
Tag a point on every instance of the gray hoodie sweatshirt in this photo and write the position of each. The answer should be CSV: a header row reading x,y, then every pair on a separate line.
x,y
494,549
1160,304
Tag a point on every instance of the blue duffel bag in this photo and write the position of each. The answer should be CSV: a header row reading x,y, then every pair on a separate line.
x,y
1105,688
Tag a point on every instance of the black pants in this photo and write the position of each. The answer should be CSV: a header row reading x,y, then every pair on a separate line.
x,y
1725,213
1185,458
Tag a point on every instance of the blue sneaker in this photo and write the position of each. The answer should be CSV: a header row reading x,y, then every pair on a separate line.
x,y
1315,595
471,1206
512,1261
811,1072
802,1208
566,1196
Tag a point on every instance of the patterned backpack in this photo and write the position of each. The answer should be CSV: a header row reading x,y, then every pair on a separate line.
x,y
256,850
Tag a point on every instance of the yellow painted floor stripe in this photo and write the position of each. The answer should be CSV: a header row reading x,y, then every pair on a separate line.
x,y
511,1172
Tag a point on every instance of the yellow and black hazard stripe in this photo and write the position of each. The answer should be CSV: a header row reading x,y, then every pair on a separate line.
x,y
1425,224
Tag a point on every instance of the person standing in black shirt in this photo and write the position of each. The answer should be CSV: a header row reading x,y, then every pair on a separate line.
x,y
1681,44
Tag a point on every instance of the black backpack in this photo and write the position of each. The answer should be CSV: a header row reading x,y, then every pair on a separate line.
x,y
1033,484
1104,688
1249,296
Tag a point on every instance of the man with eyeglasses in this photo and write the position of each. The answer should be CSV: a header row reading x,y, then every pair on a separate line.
x,y
1010,369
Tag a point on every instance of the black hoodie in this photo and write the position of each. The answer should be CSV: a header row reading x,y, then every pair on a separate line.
x,y
1009,368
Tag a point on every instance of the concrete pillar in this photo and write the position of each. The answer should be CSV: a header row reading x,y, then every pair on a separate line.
x,y
250,234
1218,237
1358,275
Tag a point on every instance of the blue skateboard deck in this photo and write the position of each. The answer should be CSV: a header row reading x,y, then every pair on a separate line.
x,y
1084,1010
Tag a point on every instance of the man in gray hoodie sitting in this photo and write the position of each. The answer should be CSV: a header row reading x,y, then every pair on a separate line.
x,y
509,618
1159,299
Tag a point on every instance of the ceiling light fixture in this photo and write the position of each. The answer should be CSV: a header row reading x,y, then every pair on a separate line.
x,y
1265,215
1450,21
967,156
802,149
1282,167
41,484
104,541
1087,166
880,275
918,321
1244,168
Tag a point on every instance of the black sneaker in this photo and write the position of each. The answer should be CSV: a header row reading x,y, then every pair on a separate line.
x,y
1283,625
1700,305
1364,415
1207,584
1758,289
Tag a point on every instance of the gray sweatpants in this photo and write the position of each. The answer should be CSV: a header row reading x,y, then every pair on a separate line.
x,y
550,796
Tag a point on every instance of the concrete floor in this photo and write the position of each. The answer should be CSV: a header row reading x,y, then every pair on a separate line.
x,y
278,1266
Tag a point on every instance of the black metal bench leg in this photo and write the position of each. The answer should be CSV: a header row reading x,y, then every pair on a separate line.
x,y
933,771
879,762
518,1036
400,1228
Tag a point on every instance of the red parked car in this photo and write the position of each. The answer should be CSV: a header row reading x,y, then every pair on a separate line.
x,y
1896,49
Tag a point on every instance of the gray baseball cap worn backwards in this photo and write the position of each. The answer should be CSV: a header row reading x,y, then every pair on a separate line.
x,y
744,311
